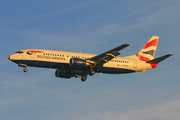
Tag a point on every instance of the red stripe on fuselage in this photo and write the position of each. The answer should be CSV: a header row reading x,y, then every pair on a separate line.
x,y
35,51
152,43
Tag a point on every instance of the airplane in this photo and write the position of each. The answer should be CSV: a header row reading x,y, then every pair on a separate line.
x,y
72,64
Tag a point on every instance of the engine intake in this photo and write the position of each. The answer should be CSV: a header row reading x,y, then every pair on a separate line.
x,y
63,74
77,62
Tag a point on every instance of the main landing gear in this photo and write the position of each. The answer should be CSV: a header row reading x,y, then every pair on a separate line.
x,y
92,72
84,77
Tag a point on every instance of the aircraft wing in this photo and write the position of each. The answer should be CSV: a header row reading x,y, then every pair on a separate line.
x,y
107,56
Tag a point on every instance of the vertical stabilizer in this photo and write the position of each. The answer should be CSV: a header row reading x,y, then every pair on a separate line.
x,y
148,51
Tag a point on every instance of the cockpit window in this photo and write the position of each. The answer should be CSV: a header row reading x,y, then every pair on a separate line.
x,y
19,52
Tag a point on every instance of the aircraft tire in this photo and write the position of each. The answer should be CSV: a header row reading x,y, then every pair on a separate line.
x,y
83,78
92,72
25,70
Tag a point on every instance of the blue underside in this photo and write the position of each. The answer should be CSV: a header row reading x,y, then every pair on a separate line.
x,y
67,67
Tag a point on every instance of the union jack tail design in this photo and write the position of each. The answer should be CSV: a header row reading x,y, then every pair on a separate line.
x,y
148,51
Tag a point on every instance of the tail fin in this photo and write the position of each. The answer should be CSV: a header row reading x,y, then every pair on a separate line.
x,y
148,52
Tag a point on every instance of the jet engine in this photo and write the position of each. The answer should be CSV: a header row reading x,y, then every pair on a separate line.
x,y
63,73
77,62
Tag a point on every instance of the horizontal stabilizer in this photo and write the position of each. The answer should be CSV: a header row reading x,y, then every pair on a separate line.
x,y
159,59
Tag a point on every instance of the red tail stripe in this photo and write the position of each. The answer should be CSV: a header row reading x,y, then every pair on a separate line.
x,y
142,58
153,65
152,43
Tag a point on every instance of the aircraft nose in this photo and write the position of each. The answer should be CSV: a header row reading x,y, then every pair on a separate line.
x,y
9,57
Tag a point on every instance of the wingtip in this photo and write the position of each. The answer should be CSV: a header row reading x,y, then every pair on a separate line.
x,y
171,54
127,44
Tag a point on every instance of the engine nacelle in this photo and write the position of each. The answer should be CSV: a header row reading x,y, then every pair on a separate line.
x,y
63,74
77,62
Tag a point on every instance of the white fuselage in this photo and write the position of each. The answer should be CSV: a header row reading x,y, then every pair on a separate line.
x,y
60,60
71,64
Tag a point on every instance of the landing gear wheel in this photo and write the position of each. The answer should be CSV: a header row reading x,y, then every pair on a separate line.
x,y
84,78
25,70
92,72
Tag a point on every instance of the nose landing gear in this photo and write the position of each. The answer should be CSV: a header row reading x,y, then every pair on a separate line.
x,y
25,69
23,65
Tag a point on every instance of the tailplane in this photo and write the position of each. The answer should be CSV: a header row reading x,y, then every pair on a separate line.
x,y
159,59
155,61
149,50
